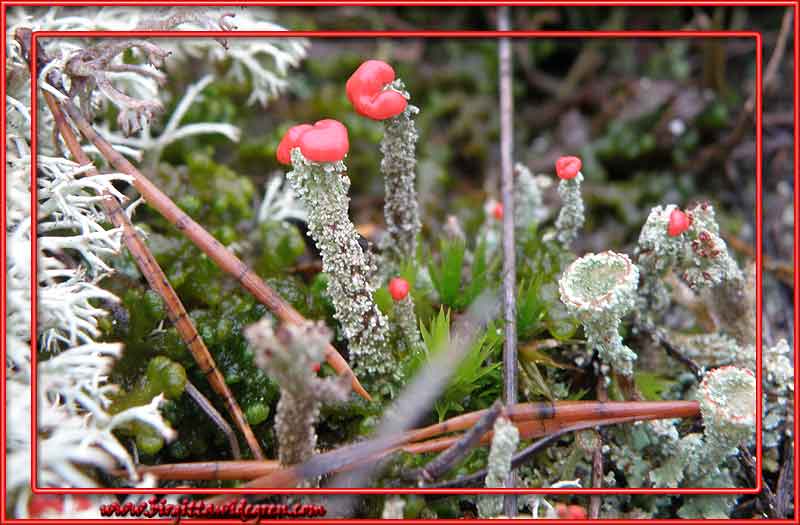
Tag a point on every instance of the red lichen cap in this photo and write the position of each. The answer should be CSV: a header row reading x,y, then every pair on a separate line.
x,y
497,211
366,91
679,222
572,512
398,288
289,142
568,167
325,141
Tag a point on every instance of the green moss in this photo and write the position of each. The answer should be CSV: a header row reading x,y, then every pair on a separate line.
x,y
166,376
147,440
280,244
256,413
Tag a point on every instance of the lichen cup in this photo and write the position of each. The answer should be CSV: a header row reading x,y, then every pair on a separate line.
x,y
600,289
727,399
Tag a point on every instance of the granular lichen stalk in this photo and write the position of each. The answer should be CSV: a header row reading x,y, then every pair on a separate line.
x,y
571,217
504,444
600,289
323,189
398,165
528,202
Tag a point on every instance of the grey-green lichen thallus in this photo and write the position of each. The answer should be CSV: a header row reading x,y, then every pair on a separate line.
x,y
600,289
571,217
323,187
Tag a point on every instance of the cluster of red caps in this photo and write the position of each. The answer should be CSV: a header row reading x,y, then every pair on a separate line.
x,y
369,90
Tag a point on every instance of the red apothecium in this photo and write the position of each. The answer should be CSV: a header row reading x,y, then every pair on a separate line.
x,y
367,91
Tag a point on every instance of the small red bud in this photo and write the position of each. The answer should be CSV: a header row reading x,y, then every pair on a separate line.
x,y
497,211
315,367
568,167
678,223
398,288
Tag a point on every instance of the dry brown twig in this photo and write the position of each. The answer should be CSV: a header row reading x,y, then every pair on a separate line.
x,y
596,500
532,419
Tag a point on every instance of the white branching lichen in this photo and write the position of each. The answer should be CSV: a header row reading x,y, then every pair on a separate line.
x,y
75,424
571,216
279,203
289,354
322,187
600,289
498,469
398,165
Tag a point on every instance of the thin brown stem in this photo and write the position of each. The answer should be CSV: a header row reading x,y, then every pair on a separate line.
x,y
597,455
223,257
203,402
445,461
353,456
209,470
509,250
158,282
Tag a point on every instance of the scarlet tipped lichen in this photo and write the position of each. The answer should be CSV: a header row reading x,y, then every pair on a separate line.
x,y
325,141
370,91
571,217
497,211
568,167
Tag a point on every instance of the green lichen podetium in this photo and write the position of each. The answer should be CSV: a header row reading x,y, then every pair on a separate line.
x,y
323,189
571,217
504,444
288,354
406,320
401,210
600,289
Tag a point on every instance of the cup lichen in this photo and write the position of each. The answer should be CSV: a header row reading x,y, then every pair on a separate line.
x,y
600,289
